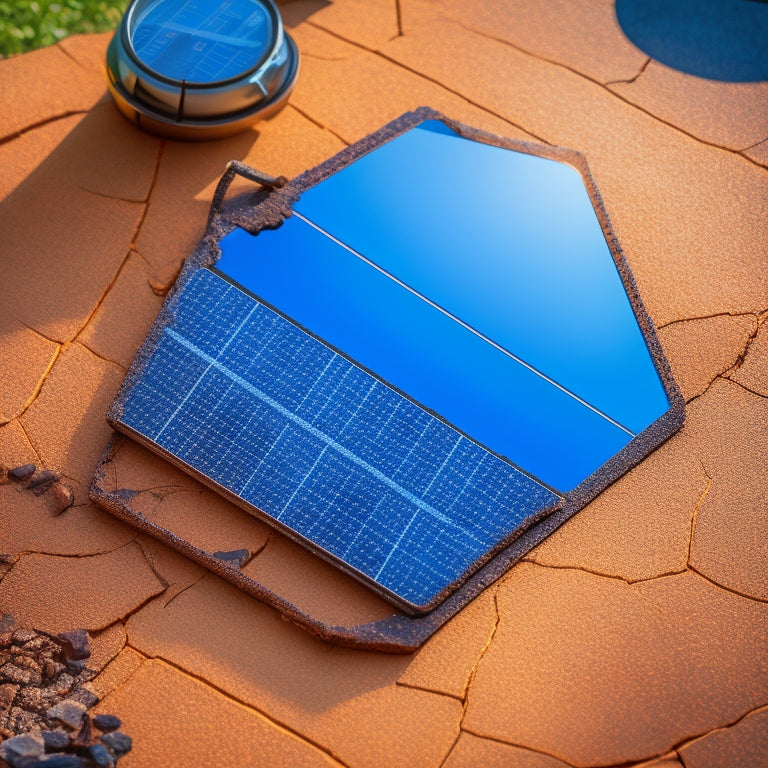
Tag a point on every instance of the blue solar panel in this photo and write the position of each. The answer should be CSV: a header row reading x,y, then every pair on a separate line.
x,y
406,373
330,452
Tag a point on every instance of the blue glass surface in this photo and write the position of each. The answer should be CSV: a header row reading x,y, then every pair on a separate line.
x,y
423,352
201,41
282,421
507,242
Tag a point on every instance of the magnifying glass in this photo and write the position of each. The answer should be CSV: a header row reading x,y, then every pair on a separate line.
x,y
200,69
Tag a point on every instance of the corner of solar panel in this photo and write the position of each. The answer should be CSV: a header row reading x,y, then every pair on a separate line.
x,y
305,436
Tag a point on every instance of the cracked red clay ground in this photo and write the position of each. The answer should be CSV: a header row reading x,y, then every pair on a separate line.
x,y
582,656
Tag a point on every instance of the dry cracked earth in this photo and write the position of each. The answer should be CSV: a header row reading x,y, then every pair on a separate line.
x,y
636,635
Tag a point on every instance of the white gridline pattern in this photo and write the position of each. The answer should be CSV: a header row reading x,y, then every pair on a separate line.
x,y
185,405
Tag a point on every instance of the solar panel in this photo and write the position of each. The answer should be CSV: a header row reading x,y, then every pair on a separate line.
x,y
404,376
198,43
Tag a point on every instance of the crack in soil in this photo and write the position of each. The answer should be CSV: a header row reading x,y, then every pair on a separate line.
x,y
271,720
41,124
433,80
631,79
602,574
590,79
316,122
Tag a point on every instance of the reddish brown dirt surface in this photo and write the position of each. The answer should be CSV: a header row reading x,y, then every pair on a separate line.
x,y
636,635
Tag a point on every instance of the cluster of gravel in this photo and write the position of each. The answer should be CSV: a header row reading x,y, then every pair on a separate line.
x,y
44,717
39,482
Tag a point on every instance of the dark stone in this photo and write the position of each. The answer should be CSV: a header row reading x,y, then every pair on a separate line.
x,y
83,736
22,472
120,743
55,741
41,482
69,712
101,757
106,723
76,644
19,750
236,558
76,667
84,696
7,624
58,761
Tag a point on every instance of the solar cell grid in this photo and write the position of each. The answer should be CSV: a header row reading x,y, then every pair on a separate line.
x,y
301,433
403,375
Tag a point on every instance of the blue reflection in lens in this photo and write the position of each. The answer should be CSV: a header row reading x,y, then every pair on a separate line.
x,y
202,42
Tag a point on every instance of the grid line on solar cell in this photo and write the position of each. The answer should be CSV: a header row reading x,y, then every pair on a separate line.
x,y
242,395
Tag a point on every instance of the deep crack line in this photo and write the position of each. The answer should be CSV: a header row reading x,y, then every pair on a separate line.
x,y
602,574
596,82
732,590
131,248
100,356
695,515
37,388
757,314
473,673
537,57
41,123
275,723
429,79
526,747
312,120
631,79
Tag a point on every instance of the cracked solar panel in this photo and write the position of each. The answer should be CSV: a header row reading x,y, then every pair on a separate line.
x,y
404,375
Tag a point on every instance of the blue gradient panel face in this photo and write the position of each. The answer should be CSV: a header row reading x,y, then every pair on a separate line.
x,y
510,244
201,41
328,451
423,352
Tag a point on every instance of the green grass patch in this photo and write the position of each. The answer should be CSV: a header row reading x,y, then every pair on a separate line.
x,y
29,24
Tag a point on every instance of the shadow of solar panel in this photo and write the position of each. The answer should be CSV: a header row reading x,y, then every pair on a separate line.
x,y
405,375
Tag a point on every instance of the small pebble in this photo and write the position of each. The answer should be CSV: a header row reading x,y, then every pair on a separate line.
x,y
107,723
22,636
20,749
63,497
55,741
76,644
101,757
22,472
41,482
119,742
58,761
234,558
3,474
69,712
